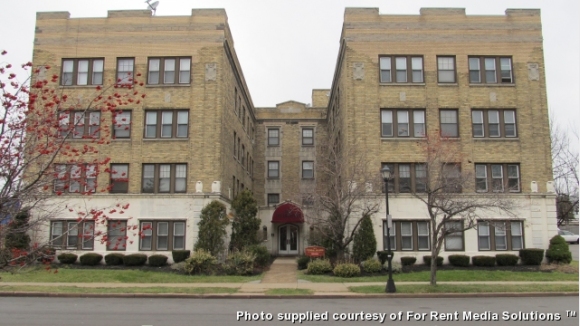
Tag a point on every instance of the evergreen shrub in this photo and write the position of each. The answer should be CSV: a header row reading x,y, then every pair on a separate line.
x,y
157,260
114,259
346,270
532,256
135,260
91,259
180,255
67,258
558,252
506,259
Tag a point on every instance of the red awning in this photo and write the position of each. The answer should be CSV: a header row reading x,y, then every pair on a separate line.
x,y
288,213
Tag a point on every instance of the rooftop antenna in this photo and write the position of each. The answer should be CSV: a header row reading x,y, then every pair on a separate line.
x,y
152,6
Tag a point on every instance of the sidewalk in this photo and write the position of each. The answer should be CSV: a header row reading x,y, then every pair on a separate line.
x,y
282,275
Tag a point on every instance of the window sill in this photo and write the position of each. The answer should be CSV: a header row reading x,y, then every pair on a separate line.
x,y
167,85
448,84
165,139
401,84
80,86
402,138
121,139
484,139
492,85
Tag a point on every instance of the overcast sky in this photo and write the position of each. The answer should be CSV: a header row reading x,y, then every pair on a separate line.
x,y
288,47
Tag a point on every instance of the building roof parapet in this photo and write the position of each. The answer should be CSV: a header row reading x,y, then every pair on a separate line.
x,y
129,13
53,15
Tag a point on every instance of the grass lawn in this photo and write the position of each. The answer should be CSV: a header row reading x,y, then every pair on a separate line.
x,y
450,276
74,289
469,288
289,292
65,275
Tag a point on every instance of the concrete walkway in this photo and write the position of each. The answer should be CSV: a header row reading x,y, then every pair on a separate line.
x,y
282,270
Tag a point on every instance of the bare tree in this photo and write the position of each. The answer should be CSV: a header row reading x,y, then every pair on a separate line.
x,y
448,193
344,194
38,161
565,170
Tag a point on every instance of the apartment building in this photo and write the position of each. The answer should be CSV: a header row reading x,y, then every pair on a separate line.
x,y
197,136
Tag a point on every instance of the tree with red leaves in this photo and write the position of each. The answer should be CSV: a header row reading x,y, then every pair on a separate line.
x,y
50,142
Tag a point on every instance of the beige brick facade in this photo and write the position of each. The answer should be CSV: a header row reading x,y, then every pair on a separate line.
x,y
226,148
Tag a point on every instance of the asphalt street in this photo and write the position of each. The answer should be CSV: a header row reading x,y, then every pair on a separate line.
x,y
177,312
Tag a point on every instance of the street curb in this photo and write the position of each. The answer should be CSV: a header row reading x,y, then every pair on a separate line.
x,y
264,296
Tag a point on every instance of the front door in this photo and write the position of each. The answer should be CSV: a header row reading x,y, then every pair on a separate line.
x,y
288,244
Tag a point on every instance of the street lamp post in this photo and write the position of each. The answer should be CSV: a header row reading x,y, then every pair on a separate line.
x,y
386,173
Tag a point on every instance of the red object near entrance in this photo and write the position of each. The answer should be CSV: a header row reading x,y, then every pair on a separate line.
x,y
288,213
315,251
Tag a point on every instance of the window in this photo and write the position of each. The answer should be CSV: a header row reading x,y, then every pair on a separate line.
x,y
273,137
454,239
235,148
500,235
307,200
80,124
449,127
407,177
80,72
307,136
162,235
75,178
307,170
117,235
119,178
407,69
402,123
446,69
72,235
166,124
493,123
497,177
273,169
122,125
451,178
273,199
484,70
125,71
407,235
173,70
164,178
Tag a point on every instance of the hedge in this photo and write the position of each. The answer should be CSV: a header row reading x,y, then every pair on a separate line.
x,y
114,259
180,255
67,258
459,260
483,261
157,260
427,260
382,255
319,266
346,270
261,253
408,261
302,262
135,260
559,251
506,259
532,256
372,266
90,259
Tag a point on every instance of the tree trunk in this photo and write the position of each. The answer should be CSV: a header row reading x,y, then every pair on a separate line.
x,y
433,268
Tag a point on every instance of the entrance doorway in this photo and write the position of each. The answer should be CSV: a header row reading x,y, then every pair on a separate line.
x,y
288,240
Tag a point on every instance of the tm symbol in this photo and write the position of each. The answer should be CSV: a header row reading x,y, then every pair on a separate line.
x,y
571,313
